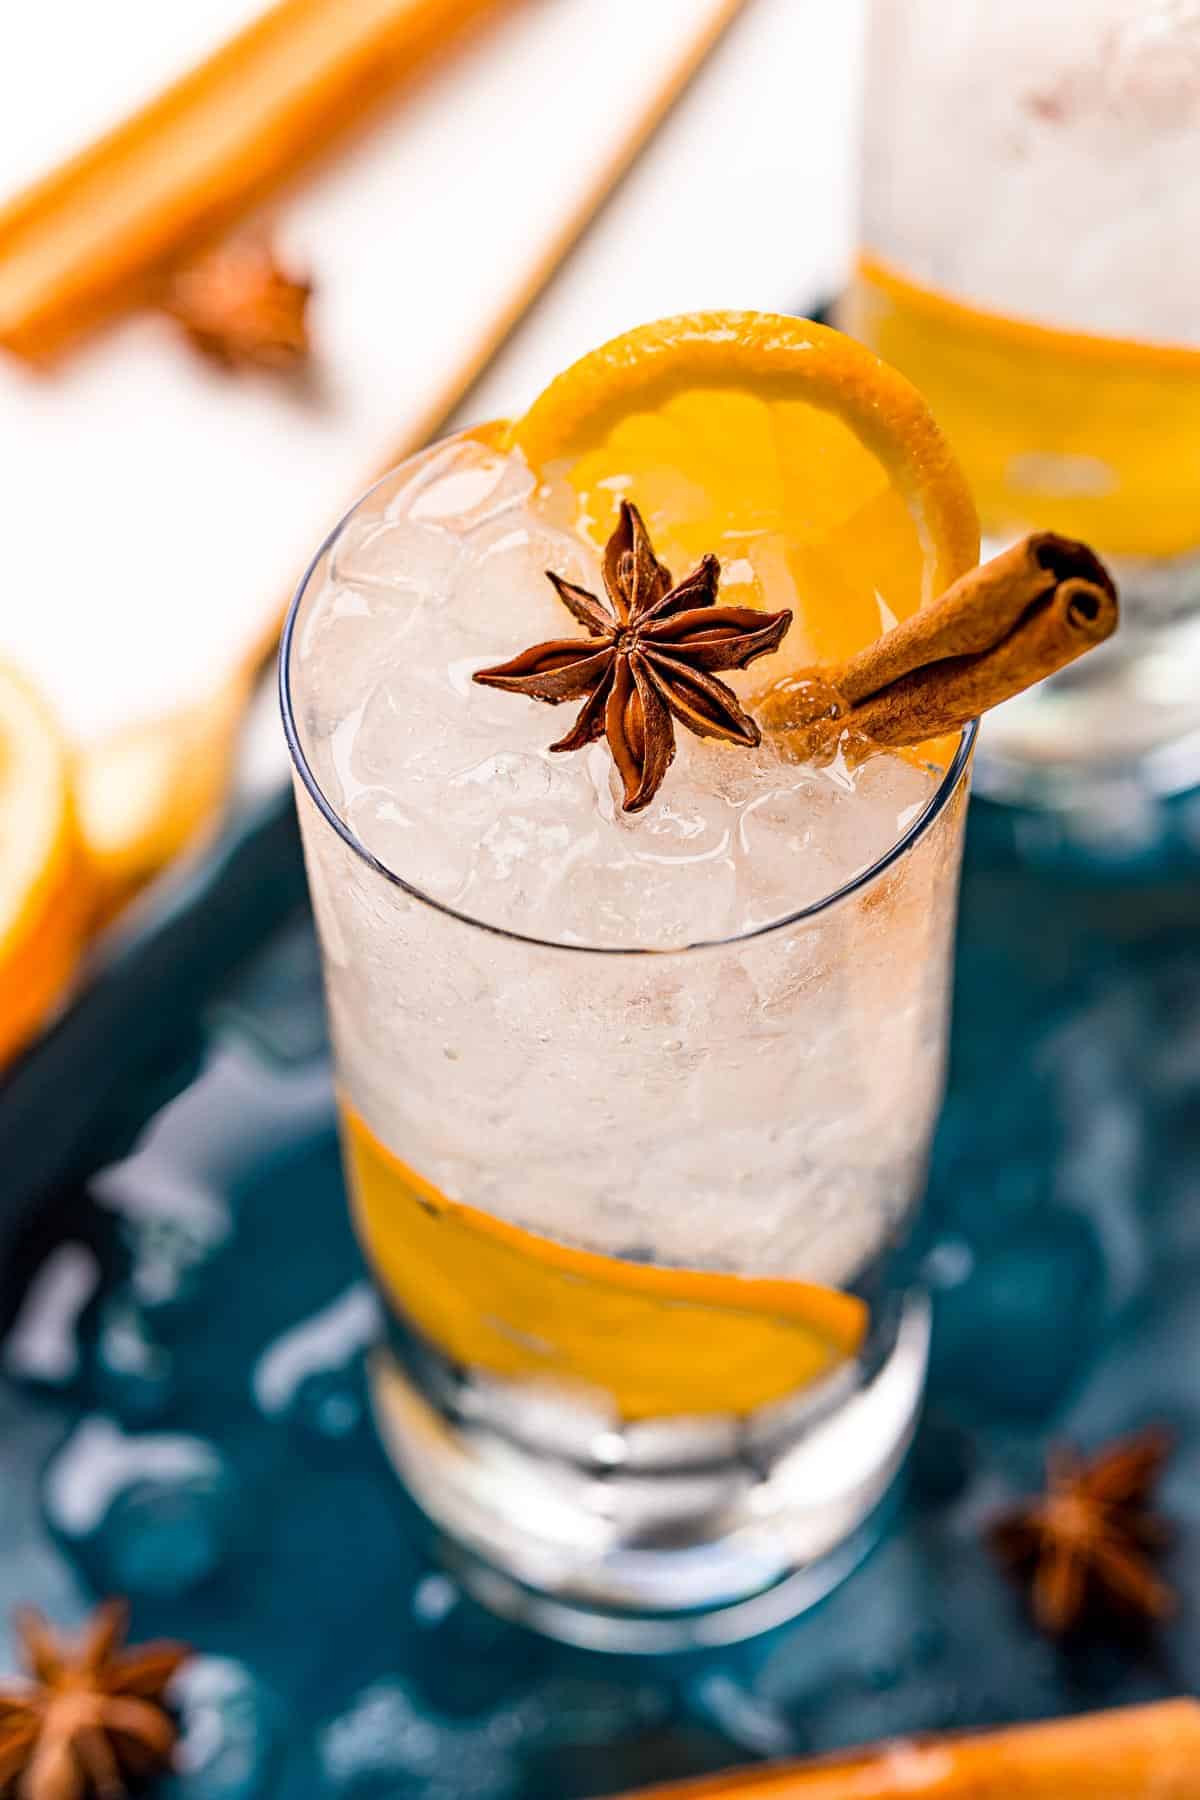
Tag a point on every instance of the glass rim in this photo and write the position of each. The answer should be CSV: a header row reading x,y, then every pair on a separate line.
x,y
895,853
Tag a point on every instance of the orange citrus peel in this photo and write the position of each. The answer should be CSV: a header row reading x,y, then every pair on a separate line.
x,y
651,1340
814,471
45,882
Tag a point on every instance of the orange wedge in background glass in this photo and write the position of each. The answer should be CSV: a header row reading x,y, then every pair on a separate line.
x,y
45,884
1098,435
813,470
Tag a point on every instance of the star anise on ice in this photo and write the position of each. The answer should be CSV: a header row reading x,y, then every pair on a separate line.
x,y
1086,1544
239,308
650,657
92,1717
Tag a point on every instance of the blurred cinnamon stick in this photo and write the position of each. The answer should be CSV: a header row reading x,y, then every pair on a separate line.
x,y
96,234
496,329
1134,1753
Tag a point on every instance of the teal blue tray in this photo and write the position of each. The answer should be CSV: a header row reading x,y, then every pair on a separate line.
x,y
133,1036
182,1415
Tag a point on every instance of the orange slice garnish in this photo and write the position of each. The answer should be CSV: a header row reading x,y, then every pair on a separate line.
x,y
45,885
814,471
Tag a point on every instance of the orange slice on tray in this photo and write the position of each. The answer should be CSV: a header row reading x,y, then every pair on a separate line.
x,y
813,470
45,885
149,790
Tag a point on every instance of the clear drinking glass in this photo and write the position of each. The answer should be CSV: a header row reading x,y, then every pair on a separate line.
x,y
1030,259
639,1220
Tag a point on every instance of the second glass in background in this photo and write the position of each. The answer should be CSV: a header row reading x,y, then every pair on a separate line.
x,y
1029,258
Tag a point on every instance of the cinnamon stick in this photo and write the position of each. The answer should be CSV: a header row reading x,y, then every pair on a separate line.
x,y
96,234
1002,627
1133,1753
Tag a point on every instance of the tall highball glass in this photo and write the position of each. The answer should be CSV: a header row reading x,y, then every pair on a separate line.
x,y
638,1215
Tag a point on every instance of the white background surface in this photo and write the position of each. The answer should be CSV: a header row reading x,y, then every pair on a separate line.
x,y
155,512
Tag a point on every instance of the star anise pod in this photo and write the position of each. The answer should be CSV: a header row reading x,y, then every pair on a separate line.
x,y
1085,1546
649,657
92,1716
239,308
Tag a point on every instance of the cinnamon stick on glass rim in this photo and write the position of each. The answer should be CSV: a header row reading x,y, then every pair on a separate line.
x,y
1005,625
1131,1753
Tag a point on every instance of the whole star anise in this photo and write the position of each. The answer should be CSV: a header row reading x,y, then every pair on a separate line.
x,y
239,308
649,657
1086,1544
92,1717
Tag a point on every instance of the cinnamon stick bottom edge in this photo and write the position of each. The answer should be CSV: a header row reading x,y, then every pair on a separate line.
x,y
1147,1752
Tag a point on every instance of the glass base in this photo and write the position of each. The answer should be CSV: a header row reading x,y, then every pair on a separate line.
x,y
665,1535
1119,730
661,1634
